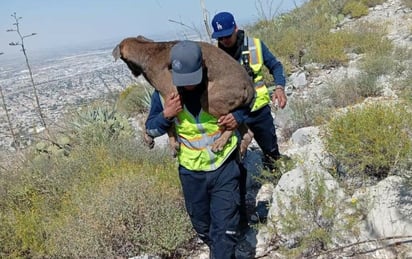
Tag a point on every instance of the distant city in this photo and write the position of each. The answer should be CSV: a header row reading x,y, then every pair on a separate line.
x,y
62,81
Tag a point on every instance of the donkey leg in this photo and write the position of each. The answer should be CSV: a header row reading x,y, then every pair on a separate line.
x,y
148,141
173,144
221,141
247,137
245,132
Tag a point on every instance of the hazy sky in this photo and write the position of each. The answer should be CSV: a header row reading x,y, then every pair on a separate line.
x,y
73,23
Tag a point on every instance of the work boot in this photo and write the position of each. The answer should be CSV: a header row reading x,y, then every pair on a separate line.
x,y
244,250
261,212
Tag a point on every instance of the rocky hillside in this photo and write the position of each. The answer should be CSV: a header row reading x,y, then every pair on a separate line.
x,y
386,228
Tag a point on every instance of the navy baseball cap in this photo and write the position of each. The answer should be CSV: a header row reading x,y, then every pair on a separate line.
x,y
186,59
223,25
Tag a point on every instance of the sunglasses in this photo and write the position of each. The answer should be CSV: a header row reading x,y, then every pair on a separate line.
x,y
224,38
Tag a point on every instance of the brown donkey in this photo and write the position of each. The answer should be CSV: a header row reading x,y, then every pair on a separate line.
x,y
228,84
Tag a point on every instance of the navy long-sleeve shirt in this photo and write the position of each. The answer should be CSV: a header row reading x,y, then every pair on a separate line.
x,y
275,66
157,124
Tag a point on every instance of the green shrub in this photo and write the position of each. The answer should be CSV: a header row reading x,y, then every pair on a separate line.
x,y
378,65
355,8
110,199
125,214
370,141
98,124
328,48
379,59
342,93
366,37
367,85
135,99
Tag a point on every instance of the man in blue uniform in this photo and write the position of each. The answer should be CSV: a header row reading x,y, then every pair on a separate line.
x,y
210,181
253,54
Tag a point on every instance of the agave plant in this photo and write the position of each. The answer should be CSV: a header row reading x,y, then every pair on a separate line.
x,y
100,124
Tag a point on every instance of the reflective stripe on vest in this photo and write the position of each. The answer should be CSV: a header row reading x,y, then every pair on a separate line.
x,y
196,136
254,51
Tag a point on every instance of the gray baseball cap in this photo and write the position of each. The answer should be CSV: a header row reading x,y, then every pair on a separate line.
x,y
186,59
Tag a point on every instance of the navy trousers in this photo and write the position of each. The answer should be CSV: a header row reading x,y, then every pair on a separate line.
x,y
212,201
263,128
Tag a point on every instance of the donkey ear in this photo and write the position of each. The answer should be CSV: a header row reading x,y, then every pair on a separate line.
x,y
116,52
143,39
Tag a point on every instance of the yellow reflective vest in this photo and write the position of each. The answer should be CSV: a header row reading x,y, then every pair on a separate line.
x,y
254,52
195,136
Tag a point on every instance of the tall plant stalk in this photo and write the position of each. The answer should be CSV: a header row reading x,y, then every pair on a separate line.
x,y
23,48
206,20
